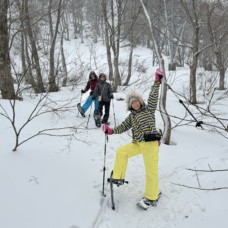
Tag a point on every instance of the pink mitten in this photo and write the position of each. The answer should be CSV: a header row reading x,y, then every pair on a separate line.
x,y
159,75
106,129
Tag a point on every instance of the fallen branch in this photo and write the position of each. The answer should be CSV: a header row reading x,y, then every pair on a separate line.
x,y
205,189
211,170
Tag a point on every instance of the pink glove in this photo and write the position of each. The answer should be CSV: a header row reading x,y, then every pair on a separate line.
x,y
106,129
159,75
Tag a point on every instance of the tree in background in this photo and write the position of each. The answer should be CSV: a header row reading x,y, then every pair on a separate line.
x,y
34,52
6,80
217,26
53,87
164,113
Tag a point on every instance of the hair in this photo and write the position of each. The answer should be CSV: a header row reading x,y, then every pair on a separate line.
x,y
102,74
92,73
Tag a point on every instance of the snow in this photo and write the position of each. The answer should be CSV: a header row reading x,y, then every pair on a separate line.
x,y
55,182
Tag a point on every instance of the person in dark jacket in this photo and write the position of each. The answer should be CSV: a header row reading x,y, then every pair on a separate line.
x,y
145,141
91,84
104,93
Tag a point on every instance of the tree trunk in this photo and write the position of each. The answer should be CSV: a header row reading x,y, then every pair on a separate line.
x,y
52,77
50,19
65,25
107,43
64,68
115,38
193,18
29,69
35,57
192,83
129,67
25,69
221,68
193,66
74,18
6,80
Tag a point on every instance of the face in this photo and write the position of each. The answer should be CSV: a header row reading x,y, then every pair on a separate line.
x,y
102,78
136,105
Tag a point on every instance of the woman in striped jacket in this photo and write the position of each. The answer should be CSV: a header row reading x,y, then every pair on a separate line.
x,y
145,141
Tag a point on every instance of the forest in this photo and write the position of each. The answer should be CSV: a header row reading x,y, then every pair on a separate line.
x,y
180,33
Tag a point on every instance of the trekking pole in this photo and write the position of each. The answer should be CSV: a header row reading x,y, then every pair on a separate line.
x,y
104,168
198,123
89,115
80,102
114,112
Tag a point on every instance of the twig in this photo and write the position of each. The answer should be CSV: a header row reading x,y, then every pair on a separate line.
x,y
214,170
197,178
205,189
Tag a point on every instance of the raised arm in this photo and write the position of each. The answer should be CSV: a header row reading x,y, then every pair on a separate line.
x,y
153,96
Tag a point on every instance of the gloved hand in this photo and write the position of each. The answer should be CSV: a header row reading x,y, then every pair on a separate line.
x,y
159,75
82,91
106,129
91,93
111,96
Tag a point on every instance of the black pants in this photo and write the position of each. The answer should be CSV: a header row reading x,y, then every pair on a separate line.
x,y
105,104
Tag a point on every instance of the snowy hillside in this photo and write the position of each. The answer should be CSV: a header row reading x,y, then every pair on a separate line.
x,y
54,182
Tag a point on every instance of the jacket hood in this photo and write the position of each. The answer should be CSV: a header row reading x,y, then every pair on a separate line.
x,y
103,76
90,76
130,97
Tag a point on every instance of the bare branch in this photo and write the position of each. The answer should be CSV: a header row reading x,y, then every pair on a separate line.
x,y
204,189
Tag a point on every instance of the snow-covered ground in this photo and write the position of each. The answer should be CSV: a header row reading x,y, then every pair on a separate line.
x,y
51,182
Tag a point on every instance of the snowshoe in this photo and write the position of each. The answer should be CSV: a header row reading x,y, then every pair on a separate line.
x,y
97,118
117,182
80,109
145,203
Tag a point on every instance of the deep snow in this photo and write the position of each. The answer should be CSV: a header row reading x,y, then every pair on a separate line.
x,y
47,184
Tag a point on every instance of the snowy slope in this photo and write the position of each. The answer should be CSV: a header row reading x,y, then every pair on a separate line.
x,y
51,182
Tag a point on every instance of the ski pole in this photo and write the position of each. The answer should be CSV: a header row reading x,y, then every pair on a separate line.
x,y
114,112
104,168
89,115
80,102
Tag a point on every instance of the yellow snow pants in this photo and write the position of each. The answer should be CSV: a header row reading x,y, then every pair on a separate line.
x,y
149,151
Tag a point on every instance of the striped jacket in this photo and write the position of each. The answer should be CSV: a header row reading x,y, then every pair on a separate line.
x,y
143,120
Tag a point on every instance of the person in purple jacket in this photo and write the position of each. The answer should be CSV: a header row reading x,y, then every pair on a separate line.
x,y
91,84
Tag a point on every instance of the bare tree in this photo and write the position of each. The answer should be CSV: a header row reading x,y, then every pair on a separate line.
x,y
50,6
107,41
52,77
116,15
164,113
42,107
6,80
217,25
131,32
64,66
34,51
25,58
77,13
194,14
